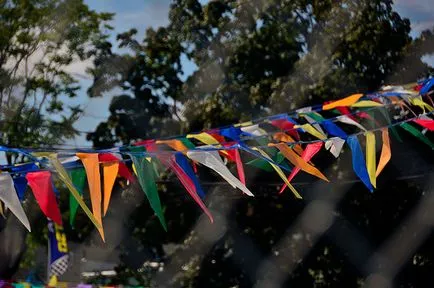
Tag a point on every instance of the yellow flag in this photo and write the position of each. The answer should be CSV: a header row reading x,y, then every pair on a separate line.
x,y
53,281
204,138
417,101
347,101
91,165
63,175
279,172
366,103
370,158
311,130
299,162
386,153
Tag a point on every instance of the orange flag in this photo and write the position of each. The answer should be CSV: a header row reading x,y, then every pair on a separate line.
x,y
282,137
91,165
110,172
386,153
298,161
175,144
347,101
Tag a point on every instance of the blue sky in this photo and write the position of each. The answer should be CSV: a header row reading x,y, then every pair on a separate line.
x,y
142,14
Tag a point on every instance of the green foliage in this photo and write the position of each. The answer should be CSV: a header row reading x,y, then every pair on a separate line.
x,y
40,41
252,58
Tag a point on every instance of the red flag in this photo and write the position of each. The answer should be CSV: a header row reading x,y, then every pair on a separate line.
x,y
286,126
42,187
308,153
425,123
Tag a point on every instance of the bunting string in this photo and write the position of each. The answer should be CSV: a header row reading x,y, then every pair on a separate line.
x,y
285,144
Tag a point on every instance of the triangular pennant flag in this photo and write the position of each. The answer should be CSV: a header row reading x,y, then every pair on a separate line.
x,y
386,153
145,174
240,168
366,103
328,125
388,121
307,155
299,162
91,165
279,172
417,101
20,183
425,123
335,145
19,178
63,175
287,125
412,130
370,158
313,122
78,177
42,187
232,133
182,161
359,164
261,164
212,160
187,143
347,120
186,181
347,101
110,172
175,144
204,138
123,169
10,199
282,137
311,130
254,130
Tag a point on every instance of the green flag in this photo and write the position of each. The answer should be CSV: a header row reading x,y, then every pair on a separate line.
x,y
146,174
417,133
78,176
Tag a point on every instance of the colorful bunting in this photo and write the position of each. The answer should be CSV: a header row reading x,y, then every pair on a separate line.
x,y
386,153
359,164
78,177
212,160
10,199
412,130
280,173
307,155
256,138
348,101
52,157
91,165
42,188
191,185
145,175
370,157
110,172
298,161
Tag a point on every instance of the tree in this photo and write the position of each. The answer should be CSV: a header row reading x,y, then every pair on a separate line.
x,y
40,40
255,58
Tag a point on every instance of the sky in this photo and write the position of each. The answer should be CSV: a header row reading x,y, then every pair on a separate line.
x,y
142,14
